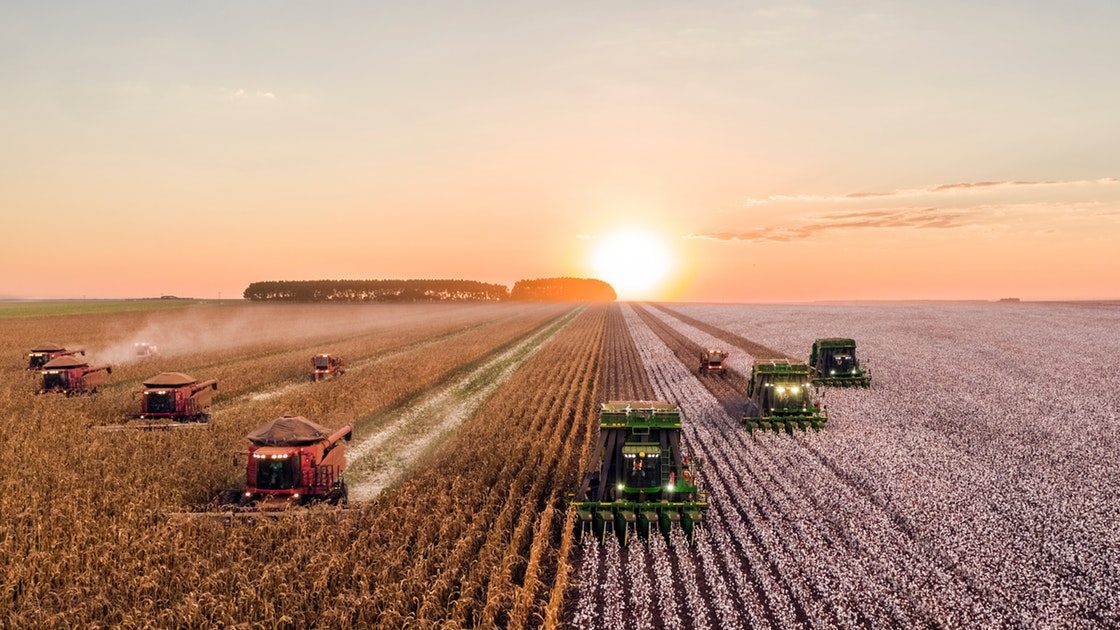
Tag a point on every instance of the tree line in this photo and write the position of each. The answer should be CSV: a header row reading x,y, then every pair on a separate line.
x,y
540,290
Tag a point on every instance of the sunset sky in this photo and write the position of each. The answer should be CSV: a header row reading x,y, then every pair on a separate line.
x,y
736,151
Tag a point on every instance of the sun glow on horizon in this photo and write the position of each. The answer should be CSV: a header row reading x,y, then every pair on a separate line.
x,y
636,262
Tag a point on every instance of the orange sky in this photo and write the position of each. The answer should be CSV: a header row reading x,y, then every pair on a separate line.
x,y
774,154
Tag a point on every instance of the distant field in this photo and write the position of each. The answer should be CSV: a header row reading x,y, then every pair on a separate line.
x,y
47,308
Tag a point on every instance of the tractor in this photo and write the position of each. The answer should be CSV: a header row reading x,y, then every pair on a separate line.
x,y
835,364
73,376
711,362
41,355
145,350
171,400
780,397
644,479
294,461
326,366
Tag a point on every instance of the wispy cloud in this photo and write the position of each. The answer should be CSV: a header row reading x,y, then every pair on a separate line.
x,y
931,190
918,218
243,94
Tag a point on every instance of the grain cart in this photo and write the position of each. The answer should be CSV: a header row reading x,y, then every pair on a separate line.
x,y
779,396
711,362
643,479
41,355
145,350
835,364
73,376
326,366
171,400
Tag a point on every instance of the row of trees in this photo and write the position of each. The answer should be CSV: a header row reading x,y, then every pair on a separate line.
x,y
540,290
562,290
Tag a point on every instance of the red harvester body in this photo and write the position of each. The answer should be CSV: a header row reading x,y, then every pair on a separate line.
x,y
326,366
72,376
41,355
176,396
293,461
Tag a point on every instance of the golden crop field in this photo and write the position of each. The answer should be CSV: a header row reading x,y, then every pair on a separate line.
x,y
83,513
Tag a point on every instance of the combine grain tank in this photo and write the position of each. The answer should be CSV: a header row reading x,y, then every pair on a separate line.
x,y
835,364
644,480
326,366
781,397
712,362
41,355
294,461
73,376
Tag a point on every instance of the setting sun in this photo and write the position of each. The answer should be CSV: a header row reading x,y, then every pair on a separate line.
x,y
635,262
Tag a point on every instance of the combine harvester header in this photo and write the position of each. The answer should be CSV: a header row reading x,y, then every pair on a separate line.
x,y
645,480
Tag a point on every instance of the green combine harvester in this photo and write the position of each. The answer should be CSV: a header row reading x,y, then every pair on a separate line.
x,y
780,397
644,480
835,364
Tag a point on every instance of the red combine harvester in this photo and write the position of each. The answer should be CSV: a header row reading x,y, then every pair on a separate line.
x,y
171,400
292,462
41,355
72,376
326,366
145,350
712,362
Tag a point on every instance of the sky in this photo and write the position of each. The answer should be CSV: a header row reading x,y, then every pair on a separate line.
x,y
760,151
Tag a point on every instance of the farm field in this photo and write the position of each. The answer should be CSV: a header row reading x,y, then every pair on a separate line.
x,y
975,484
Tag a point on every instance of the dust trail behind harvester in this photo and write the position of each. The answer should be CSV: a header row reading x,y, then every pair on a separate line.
x,y
209,329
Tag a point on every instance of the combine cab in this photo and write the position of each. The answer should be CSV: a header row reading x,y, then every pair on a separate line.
x,y
145,350
171,400
326,366
780,397
835,364
644,480
40,356
73,376
711,362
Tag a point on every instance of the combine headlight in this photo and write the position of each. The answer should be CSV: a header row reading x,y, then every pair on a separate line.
x,y
794,389
248,494
781,390
669,487
832,372
621,486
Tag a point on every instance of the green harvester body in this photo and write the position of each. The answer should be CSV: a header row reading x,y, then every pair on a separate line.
x,y
835,364
781,398
643,480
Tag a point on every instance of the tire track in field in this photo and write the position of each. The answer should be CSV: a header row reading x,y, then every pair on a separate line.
x,y
378,460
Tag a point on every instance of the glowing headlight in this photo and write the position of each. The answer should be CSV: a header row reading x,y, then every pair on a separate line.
x,y
669,487
794,389
832,372
781,390
621,486
248,494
